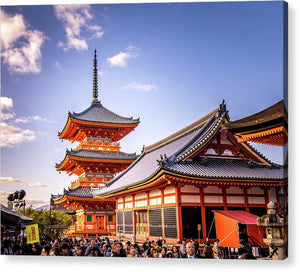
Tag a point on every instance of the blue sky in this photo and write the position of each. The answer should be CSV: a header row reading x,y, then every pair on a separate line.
x,y
168,64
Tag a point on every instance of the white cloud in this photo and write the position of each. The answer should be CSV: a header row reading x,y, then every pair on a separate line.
x,y
37,184
11,135
6,103
10,180
74,18
21,46
26,120
120,59
140,87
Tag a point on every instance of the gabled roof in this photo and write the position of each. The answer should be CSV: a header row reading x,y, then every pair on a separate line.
x,y
170,153
98,113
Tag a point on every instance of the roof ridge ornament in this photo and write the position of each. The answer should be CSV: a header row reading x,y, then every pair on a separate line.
x,y
95,80
222,109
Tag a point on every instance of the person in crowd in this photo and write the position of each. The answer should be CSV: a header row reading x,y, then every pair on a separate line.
x,y
207,251
45,250
217,250
175,252
182,248
106,250
243,247
158,246
91,248
118,250
190,251
132,252
163,253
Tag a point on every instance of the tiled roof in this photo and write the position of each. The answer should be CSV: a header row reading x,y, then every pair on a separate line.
x,y
98,113
101,154
85,192
275,113
147,163
227,168
168,154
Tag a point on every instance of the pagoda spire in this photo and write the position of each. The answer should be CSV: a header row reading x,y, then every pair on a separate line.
x,y
95,80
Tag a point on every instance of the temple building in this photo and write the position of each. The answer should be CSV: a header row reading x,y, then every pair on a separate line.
x,y
173,187
96,160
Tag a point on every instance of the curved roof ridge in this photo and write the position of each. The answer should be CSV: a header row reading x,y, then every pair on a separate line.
x,y
199,139
182,132
87,115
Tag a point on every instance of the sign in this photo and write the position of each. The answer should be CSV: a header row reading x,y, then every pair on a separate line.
x,y
32,232
199,226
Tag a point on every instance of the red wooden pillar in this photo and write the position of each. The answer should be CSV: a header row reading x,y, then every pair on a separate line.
x,y
178,213
203,216
162,211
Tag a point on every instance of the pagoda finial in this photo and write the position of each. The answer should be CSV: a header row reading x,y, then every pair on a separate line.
x,y
95,80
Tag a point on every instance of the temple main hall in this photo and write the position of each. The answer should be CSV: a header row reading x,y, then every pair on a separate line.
x,y
173,187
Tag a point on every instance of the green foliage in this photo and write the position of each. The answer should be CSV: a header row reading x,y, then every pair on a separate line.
x,y
45,218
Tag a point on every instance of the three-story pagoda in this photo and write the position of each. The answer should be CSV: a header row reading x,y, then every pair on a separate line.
x,y
96,160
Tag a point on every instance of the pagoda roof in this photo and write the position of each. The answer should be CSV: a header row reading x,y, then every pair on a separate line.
x,y
79,192
171,155
100,114
91,154
270,117
97,156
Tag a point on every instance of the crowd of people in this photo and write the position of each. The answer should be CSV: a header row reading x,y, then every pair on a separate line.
x,y
103,247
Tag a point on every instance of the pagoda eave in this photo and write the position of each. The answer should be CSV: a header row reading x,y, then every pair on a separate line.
x,y
76,126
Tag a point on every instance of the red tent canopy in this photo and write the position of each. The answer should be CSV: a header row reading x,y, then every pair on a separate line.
x,y
227,227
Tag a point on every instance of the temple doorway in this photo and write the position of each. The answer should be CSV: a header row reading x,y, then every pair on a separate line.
x,y
191,218
100,222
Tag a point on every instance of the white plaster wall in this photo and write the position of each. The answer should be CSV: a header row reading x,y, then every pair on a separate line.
x,y
169,190
190,199
128,205
140,196
169,199
256,200
213,199
189,189
255,190
234,190
235,199
155,201
142,203
212,189
155,193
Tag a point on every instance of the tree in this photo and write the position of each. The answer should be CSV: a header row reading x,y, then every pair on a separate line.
x,y
44,219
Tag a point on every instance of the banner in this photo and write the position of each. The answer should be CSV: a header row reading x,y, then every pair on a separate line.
x,y
32,232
